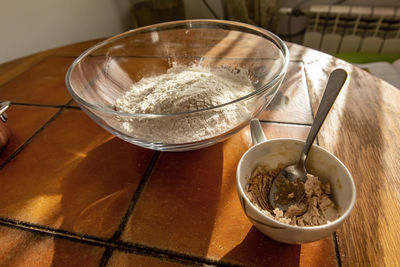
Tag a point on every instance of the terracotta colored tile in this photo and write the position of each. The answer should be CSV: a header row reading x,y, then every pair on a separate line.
x,y
42,84
319,253
74,50
125,259
24,248
10,70
74,175
178,207
190,205
23,122
291,103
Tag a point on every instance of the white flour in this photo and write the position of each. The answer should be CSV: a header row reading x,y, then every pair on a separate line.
x,y
184,89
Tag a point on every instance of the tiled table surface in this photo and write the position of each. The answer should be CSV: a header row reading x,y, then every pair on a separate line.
x,y
72,194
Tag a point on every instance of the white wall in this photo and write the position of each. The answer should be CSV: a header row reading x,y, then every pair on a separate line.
x,y
29,26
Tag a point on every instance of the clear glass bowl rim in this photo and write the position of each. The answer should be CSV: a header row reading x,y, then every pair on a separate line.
x,y
166,25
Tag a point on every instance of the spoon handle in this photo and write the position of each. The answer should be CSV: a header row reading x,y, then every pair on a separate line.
x,y
333,87
257,134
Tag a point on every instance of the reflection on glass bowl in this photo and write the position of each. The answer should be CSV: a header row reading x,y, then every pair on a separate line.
x,y
105,72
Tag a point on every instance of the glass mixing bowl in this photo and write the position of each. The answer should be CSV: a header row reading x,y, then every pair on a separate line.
x,y
105,72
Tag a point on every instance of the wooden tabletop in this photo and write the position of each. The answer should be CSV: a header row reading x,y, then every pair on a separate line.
x,y
72,194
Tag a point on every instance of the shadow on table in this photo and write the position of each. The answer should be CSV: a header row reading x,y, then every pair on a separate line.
x,y
176,209
96,191
259,250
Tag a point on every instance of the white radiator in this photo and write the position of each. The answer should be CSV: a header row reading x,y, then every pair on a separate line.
x,y
336,29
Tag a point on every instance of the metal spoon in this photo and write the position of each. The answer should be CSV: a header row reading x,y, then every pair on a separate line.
x,y
288,186
3,107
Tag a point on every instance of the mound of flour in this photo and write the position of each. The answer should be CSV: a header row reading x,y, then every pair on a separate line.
x,y
183,89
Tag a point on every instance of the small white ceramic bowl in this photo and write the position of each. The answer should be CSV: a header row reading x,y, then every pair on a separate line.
x,y
320,163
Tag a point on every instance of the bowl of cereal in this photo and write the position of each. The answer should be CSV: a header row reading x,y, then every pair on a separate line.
x,y
180,85
330,190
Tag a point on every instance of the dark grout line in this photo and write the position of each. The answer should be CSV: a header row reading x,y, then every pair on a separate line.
x,y
106,257
49,231
47,123
336,246
127,247
117,234
67,106
64,56
137,194
27,142
285,123
173,256
72,107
